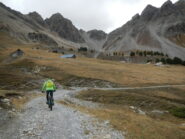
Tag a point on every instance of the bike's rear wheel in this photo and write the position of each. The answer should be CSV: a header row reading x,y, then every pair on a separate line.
x,y
50,103
51,107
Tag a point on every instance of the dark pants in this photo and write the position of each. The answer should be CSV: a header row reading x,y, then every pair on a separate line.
x,y
49,92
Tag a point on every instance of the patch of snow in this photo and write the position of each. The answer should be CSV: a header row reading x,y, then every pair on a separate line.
x,y
159,64
158,111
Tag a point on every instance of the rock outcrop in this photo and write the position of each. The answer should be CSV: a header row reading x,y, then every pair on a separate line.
x,y
38,18
94,39
42,38
64,28
97,34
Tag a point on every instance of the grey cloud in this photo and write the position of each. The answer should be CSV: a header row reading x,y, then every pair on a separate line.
x,y
85,14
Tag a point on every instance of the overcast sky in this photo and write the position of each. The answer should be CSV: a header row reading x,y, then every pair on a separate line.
x,y
106,15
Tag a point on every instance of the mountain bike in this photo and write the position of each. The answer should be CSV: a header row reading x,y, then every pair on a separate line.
x,y
50,102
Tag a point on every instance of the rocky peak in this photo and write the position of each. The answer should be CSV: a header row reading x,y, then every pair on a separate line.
x,y
149,12
181,6
57,16
81,30
64,28
168,8
37,17
97,34
135,17
180,2
167,4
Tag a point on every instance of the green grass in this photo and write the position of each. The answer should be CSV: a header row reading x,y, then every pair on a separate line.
x,y
178,112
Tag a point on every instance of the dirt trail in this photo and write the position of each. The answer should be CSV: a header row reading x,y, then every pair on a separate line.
x,y
38,122
147,87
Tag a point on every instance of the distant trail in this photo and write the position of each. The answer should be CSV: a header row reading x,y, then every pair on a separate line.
x,y
133,88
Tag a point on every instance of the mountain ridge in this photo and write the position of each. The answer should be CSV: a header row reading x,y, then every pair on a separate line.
x,y
149,31
157,29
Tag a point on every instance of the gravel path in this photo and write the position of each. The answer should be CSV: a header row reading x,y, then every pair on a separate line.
x,y
38,122
147,87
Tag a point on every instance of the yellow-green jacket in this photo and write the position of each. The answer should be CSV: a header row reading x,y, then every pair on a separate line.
x,y
48,86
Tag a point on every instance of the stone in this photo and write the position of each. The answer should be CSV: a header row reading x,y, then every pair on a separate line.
x,y
5,100
107,122
108,136
132,107
157,112
141,112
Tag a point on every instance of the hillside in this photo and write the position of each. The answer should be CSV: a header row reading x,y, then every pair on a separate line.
x,y
157,29
55,32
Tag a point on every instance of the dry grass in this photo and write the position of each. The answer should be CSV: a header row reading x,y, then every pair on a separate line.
x,y
19,102
116,72
148,99
136,126
116,110
17,98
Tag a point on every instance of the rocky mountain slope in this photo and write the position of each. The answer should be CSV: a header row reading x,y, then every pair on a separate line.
x,y
64,28
53,32
158,29
94,39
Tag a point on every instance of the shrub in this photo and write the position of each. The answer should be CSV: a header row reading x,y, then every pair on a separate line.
x,y
162,54
152,53
140,53
157,60
178,112
82,49
92,51
149,60
145,53
156,53
183,63
177,60
163,60
148,53
132,54
115,53
70,49
169,61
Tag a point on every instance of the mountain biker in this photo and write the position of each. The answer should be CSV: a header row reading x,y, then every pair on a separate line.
x,y
49,87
